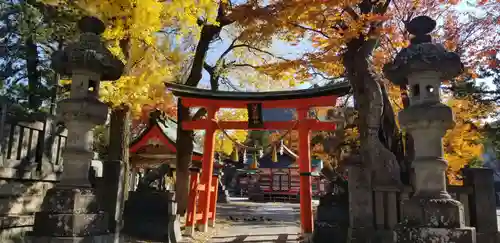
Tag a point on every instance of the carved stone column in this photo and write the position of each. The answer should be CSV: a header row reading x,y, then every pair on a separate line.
x,y
70,211
431,215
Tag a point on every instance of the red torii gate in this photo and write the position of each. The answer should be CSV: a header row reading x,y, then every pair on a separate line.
x,y
301,100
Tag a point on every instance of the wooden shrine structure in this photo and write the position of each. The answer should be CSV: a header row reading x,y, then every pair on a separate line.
x,y
277,180
254,102
155,143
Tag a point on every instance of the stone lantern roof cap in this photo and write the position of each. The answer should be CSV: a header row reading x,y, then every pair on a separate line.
x,y
423,55
421,27
88,53
89,24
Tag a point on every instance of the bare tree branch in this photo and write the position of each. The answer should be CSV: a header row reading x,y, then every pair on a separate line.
x,y
351,12
243,65
310,29
199,114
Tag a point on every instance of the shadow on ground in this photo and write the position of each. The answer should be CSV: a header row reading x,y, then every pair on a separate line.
x,y
259,222
281,238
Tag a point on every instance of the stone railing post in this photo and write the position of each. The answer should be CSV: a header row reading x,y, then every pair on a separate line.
x,y
431,215
71,211
482,202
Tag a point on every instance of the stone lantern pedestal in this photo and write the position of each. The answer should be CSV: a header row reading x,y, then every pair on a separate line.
x,y
71,211
431,215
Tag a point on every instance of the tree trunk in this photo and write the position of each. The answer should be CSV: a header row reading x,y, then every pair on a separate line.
x,y
184,152
116,167
119,131
409,149
375,122
34,99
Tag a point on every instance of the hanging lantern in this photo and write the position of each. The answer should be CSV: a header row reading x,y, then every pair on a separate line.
x,y
282,147
244,156
274,156
261,153
254,164
234,154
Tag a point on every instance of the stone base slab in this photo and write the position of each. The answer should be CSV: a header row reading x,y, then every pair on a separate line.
x,y
493,237
434,213
151,215
70,212
71,224
110,238
70,200
425,235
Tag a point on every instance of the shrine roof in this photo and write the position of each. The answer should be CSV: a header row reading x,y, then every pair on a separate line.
x,y
338,89
168,128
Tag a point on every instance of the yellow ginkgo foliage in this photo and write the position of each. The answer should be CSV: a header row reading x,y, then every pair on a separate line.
x,y
224,141
132,34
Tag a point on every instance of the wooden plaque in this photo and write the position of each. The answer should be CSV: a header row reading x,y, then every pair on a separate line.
x,y
255,115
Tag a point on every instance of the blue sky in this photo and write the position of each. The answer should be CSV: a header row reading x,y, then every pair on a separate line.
x,y
278,47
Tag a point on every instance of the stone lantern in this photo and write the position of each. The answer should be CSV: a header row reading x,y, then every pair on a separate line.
x,y
87,62
431,215
71,209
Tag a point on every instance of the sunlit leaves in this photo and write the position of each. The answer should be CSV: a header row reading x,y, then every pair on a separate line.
x,y
463,143
225,141
151,59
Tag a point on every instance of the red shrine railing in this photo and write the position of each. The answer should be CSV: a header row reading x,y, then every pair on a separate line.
x,y
195,213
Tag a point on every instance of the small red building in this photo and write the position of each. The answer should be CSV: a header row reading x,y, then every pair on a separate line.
x,y
154,144
278,181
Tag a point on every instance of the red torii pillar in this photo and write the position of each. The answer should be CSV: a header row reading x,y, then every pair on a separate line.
x,y
306,216
207,169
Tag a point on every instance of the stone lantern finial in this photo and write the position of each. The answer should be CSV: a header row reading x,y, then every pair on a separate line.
x,y
420,27
89,24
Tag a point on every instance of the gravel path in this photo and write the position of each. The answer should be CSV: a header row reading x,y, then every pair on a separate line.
x,y
259,222
269,222
242,221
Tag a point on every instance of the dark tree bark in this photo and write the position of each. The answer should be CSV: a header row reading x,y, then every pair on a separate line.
x,y
376,121
116,168
184,152
409,150
34,100
119,130
185,138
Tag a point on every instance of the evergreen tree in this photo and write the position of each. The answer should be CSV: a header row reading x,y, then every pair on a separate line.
x,y
30,32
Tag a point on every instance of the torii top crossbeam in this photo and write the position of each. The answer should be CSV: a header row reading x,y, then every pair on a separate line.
x,y
255,102
314,97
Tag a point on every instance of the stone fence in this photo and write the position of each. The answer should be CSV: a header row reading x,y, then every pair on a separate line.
x,y
30,161
476,194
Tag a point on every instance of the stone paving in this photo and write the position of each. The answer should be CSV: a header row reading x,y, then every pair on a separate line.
x,y
259,222
249,222
242,221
